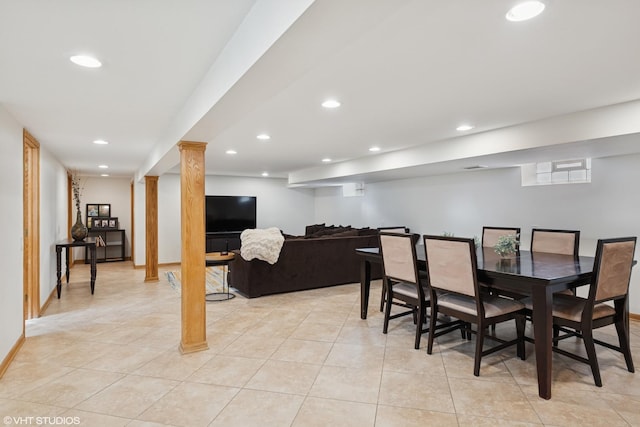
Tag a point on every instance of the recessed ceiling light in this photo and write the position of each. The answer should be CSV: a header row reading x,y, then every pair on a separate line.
x,y
331,103
103,166
100,142
525,10
463,128
326,160
104,174
86,61
374,149
263,137
231,152
265,173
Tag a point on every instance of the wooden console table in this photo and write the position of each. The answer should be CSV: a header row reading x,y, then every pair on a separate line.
x,y
89,243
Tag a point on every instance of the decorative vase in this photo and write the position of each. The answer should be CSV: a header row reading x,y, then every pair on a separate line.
x,y
79,232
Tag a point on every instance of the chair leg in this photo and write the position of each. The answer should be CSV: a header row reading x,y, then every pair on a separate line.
x,y
621,328
387,313
521,321
382,298
556,334
479,343
432,327
421,315
587,336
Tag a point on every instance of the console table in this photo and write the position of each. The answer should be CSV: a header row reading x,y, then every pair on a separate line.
x,y
90,244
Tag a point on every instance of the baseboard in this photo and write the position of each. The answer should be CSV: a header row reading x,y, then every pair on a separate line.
x,y
12,355
634,316
52,295
164,264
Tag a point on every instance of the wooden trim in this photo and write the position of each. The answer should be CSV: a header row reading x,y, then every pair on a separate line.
x,y
634,316
31,226
151,228
12,355
194,313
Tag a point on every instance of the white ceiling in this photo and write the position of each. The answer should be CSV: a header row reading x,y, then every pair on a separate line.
x,y
407,73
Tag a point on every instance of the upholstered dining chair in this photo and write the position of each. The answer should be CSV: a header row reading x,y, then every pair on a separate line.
x,y
391,229
564,242
401,280
455,291
577,316
490,235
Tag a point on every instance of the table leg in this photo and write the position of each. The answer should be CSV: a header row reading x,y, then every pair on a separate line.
x,y
543,333
59,270
365,286
92,255
68,260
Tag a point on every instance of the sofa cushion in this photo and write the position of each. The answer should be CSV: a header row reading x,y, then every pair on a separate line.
x,y
312,229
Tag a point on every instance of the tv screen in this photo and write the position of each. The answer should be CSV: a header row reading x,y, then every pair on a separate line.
x,y
230,213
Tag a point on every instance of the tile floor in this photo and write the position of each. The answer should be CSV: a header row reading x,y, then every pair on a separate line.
x,y
299,359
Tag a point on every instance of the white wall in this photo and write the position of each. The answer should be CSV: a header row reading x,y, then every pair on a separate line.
x,y
53,218
462,203
113,191
11,302
277,206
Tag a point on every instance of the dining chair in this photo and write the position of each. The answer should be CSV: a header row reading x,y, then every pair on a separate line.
x,y
490,235
455,291
402,282
563,242
390,229
576,316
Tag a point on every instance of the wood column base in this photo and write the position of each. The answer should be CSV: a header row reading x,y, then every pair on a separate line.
x,y
192,348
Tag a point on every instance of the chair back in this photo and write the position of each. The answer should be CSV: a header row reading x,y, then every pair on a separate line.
x,y
612,268
399,257
394,229
563,242
451,264
490,235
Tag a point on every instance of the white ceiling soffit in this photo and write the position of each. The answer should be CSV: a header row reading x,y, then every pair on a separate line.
x,y
263,25
593,133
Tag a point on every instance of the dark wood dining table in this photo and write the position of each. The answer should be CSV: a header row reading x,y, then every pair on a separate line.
x,y
536,274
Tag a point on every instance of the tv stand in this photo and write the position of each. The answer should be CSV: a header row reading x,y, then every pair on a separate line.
x,y
220,242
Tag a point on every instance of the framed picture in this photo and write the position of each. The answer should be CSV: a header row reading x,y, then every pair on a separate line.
x,y
104,223
113,222
95,223
89,220
104,210
92,210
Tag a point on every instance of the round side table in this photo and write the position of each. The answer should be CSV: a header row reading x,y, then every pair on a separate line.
x,y
220,259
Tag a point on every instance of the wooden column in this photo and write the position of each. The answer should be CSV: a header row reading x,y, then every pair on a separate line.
x,y
151,228
194,322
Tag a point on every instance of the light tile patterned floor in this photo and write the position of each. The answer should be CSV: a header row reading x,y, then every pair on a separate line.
x,y
298,359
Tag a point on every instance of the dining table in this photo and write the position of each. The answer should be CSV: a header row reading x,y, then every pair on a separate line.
x,y
535,274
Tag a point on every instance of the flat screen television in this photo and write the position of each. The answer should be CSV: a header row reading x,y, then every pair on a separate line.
x,y
229,213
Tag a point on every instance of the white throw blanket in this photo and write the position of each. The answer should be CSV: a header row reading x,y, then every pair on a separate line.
x,y
264,244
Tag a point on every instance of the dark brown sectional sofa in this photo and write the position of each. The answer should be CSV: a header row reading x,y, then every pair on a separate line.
x,y
325,256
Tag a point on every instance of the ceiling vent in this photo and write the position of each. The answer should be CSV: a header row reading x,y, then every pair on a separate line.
x,y
469,168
